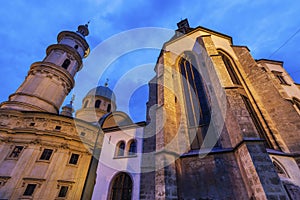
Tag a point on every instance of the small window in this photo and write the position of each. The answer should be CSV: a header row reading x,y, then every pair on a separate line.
x,y
85,104
63,191
66,63
281,79
16,152
46,155
29,190
32,124
82,133
76,46
97,104
74,159
132,148
57,128
120,149
108,107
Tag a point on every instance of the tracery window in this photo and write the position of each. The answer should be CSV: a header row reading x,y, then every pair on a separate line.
x,y
196,100
121,188
229,66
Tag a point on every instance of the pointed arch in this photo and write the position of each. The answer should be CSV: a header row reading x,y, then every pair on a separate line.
x,y
229,64
296,102
281,171
196,99
121,187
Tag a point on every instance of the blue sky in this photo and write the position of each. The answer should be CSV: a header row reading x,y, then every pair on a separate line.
x,y
28,27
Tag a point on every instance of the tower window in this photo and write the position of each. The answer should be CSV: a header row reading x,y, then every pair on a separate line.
x,y
66,63
108,107
85,104
74,159
29,190
46,155
63,191
132,148
76,46
97,103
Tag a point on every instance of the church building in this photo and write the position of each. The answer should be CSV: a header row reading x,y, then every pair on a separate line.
x,y
219,125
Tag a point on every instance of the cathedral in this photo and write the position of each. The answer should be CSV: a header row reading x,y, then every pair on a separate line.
x,y
219,125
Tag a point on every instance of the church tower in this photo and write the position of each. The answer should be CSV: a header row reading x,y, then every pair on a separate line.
x,y
48,82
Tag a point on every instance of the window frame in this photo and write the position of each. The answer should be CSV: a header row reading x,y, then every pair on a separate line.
x,y
9,156
65,193
118,151
130,152
77,161
41,154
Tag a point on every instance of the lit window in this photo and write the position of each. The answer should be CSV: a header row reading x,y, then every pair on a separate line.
x,y
66,63
132,148
74,159
16,152
46,155
63,191
29,190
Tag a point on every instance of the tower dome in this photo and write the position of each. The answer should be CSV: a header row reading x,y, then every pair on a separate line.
x,y
96,103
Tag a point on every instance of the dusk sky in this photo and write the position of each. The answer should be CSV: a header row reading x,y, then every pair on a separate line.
x,y
270,29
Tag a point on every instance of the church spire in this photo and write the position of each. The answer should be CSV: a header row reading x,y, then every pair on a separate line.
x,y
48,82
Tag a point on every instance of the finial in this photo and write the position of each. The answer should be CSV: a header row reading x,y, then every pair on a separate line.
x,y
106,83
87,24
72,99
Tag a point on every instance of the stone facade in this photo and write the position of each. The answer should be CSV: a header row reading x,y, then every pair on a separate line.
x,y
256,154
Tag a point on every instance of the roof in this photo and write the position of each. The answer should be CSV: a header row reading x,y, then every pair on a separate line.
x,y
103,92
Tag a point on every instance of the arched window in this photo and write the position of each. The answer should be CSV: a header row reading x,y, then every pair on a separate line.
x,y
97,103
229,66
108,107
121,187
120,149
280,170
66,63
85,104
256,121
196,100
132,148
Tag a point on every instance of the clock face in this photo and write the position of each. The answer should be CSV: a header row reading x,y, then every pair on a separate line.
x,y
86,53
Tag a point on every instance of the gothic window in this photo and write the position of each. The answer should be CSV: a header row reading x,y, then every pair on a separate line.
x,y
121,187
74,159
229,66
132,148
16,152
280,170
85,104
196,100
66,63
97,103
120,149
63,191
29,190
46,155
108,107
256,121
